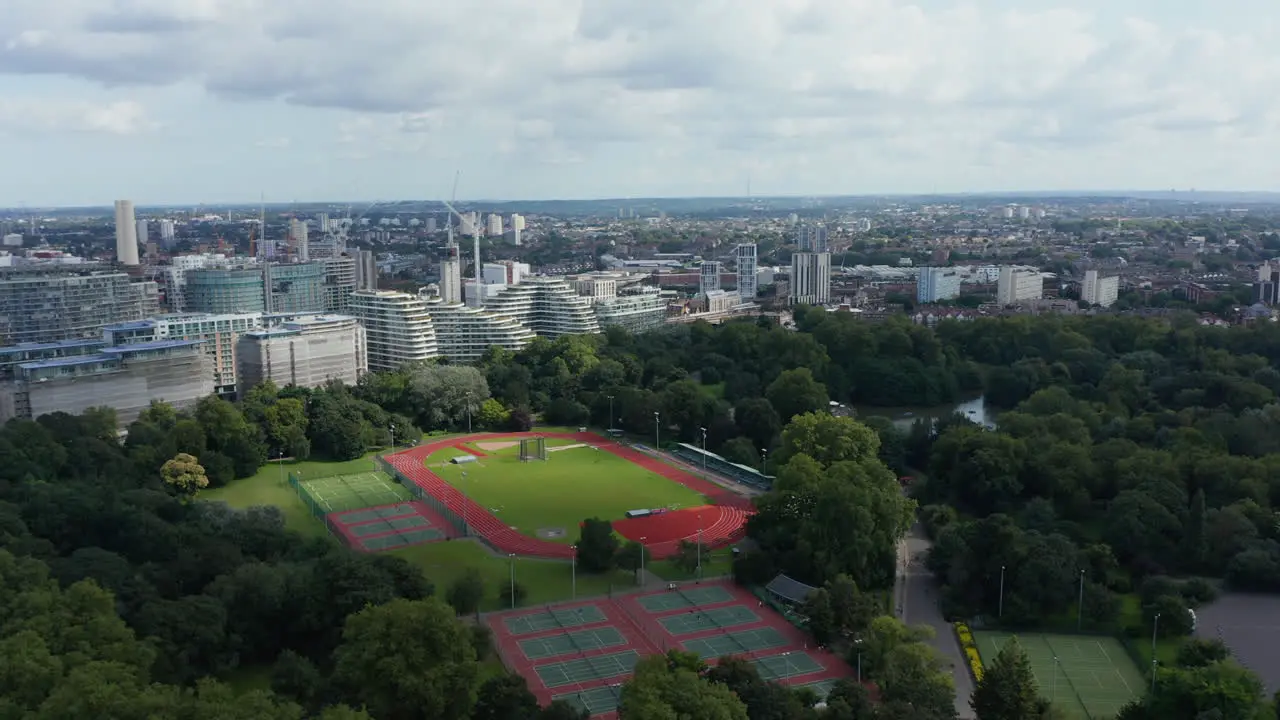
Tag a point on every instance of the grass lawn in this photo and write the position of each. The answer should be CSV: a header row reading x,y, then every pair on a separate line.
x,y
267,487
1166,648
716,562
570,486
546,580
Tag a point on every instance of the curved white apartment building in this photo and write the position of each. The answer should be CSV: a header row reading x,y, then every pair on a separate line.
x,y
465,333
549,306
398,328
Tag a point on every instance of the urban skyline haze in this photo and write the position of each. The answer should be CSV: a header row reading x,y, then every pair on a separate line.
x,y
184,101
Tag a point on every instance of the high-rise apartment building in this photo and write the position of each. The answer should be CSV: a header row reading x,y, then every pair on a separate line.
x,y
142,232
298,240
937,283
810,278
1018,285
548,306
495,225
41,304
126,233
219,333
167,234
517,228
366,270
745,255
812,239
451,275
465,333
708,276
339,282
1099,291
306,351
398,328
294,288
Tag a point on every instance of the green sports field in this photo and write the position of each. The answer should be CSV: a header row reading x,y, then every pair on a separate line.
x,y
559,493
1087,677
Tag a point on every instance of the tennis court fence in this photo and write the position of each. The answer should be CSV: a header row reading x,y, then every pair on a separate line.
x,y
431,501
316,511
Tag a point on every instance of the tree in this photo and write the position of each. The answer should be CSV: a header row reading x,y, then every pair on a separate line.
x,y
466,592
184,474
1007,690
758,421
506,590
795,392
1224,687
407,659
671,686
1196,652
492,415
688,556
505,697
822,618
829,439
597,546
631,557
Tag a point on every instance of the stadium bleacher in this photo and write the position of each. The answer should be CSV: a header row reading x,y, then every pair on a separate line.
x,y
744,474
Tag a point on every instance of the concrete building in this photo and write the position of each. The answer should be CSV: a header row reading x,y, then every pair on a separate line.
x,y
810,278
451,275
339,282
142,232
465,333
127,378
48,303
812,239
307,351
167,233
636,310
719,301
126,233
596,287
366,270
12,240
397,326
495,225
548,306
1099,291
517,228
298,243
937,283
219,333
708,276
505,272
1016,285
745,255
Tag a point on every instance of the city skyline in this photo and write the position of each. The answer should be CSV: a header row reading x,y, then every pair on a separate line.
x,y
173,103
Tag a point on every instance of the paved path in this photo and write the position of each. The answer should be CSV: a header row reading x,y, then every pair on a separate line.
x,y
916,601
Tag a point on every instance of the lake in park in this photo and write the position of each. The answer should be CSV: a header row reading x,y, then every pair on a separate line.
x,y
976,409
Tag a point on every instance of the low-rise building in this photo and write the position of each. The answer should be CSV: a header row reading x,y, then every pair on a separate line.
x,y
636,309
220,334
306,351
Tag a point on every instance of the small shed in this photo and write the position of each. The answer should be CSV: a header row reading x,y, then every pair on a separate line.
x,y
788,590
463,459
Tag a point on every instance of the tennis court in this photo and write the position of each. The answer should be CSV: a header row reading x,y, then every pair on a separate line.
x,y
595,700
408,522
341,493
571,642
736,643
552,619
702,620
786,665
401,539
356,517
680,599
822,688
596,667
1087,676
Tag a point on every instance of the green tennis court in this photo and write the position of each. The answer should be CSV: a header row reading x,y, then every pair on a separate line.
x,y
400,539
377,528
377,513
595,700
596,667
681,599
571,642
735,643
822,688
341,493
786,665
552,619
701,620
1086,676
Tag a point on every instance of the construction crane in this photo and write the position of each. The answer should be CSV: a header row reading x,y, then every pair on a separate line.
x,y
252,243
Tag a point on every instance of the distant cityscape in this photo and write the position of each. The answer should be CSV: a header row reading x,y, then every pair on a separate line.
x,y
174,305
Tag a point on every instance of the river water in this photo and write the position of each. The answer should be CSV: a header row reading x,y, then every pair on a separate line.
x,y
976,409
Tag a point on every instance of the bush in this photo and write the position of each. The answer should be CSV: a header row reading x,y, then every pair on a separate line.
x,y
1199,591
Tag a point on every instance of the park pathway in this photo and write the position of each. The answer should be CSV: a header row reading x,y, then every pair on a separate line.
x,y
916,602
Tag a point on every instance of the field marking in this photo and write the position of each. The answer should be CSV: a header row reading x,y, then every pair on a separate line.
x,y
1114,668
558,448
497,445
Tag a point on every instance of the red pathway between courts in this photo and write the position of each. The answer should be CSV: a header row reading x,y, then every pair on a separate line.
x,y
725,527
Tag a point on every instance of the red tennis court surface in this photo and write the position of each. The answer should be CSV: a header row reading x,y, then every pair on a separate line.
x,y
386,527
582,652
730,509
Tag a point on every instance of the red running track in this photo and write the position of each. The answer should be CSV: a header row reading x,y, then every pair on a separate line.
x,y
727,528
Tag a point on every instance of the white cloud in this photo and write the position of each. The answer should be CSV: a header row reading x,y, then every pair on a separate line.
x,y
44,116
792,85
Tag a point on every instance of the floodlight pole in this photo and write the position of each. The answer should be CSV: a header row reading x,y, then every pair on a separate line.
x,y
1080,604
1000,611
858,644
466,527
610,414
764,454
513,580
393,437
1155,628
657,441
704,450
699,548
1053,686
642,550
280,459
574,570
468,412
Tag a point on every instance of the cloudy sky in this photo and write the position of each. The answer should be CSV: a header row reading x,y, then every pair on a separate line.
x,y
184,101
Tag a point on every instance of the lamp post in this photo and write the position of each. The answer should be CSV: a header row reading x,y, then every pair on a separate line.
x,y
1053,686
573,591
699,548
280,459
858,644
764,454
512,556
1000,611
704,449
466,527
610,414
468,412
1155,628
657,440
1080,604
393,437
642,553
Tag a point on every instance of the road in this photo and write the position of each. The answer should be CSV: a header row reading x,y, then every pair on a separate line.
x,y
916,601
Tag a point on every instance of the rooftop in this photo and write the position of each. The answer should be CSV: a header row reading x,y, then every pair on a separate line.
x,y
68,361
155,345
62,344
